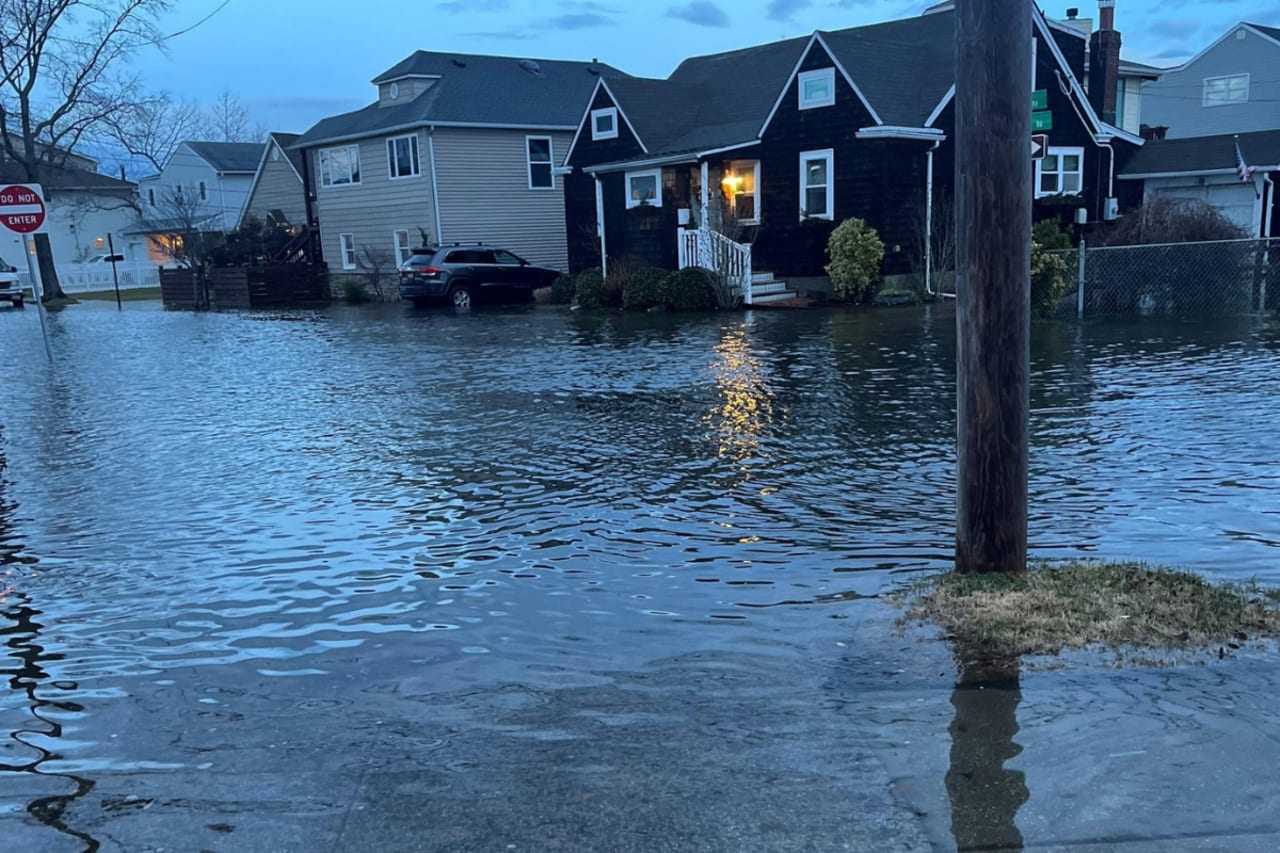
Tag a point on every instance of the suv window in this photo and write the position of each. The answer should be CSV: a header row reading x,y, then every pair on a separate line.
x,y
419,261
471,256
506,258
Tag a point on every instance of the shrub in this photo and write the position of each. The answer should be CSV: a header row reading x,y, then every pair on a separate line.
x,y
856,254
691,289
1050,235
562,290
354,291
643,288
1050,280
1172,220
589,289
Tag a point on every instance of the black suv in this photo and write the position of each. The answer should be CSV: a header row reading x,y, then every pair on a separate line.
x,y
464,274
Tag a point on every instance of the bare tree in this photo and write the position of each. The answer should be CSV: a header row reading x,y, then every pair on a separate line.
x,y
376,262
152,128
59,81
941,260
227,120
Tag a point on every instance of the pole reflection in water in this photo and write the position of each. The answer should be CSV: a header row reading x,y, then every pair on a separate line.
x,y
985,795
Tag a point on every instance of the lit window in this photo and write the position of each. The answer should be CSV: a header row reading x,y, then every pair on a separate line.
x,y
817,184
1233,89
340,166
347,245
1061,172
402,156
817,88
604,123
538,151
741,184
403,251
644,188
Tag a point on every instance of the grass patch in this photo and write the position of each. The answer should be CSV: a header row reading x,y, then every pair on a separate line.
x,y
1060,606
138,294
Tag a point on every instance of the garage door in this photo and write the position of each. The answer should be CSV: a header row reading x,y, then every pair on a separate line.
x,y
1236,201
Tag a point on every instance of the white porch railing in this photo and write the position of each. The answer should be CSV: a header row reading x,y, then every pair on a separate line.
x,y
702,247
90,278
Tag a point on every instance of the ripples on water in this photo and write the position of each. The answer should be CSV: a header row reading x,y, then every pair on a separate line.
x,y
276,490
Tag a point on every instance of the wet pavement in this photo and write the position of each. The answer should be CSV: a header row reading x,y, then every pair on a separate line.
x,y
375,579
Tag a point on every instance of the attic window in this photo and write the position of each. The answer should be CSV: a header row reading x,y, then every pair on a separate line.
x,y
394,90
275,153
817,88
604,124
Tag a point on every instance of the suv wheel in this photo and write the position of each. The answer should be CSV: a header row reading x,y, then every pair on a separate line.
x,y
460,297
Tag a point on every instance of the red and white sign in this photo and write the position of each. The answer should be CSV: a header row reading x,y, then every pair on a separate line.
x,y
22,208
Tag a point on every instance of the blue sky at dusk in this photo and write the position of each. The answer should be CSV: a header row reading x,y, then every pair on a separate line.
x,y
294,61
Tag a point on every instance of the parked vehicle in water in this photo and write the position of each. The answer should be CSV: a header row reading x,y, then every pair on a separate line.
x,y
463,275
10,288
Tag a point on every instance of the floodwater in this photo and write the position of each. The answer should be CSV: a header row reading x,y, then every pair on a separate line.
x,y
380,579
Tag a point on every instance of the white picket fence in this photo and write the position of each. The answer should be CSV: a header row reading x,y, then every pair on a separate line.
x,y
89,278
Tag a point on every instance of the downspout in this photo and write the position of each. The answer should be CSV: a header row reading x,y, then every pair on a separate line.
x,y
1111,179
604,257
928,219
435,185
1268,213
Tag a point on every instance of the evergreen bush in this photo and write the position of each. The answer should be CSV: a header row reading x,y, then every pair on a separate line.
x,y
856,254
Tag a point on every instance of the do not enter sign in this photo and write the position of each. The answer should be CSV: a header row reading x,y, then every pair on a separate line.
x,y
22,208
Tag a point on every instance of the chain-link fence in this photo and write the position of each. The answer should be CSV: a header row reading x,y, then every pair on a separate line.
x,y
1176,279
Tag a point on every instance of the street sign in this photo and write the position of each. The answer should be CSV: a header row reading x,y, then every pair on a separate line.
x,y
1039,146
1040,99
22,208
1042,120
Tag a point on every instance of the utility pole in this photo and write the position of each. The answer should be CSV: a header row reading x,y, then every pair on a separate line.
x,y
993,216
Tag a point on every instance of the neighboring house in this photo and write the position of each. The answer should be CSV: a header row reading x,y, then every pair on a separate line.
x,y
1205,168
278,193
1232,86
457,148
785,140
203,187
1134,76
84,208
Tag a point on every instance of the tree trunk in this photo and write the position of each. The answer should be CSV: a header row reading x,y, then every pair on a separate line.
x,y
993,264
48,271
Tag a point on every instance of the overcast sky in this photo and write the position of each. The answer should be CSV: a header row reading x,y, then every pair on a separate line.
x,y
295,61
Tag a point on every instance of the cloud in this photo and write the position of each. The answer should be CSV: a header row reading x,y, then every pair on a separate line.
x,y
578,21
575,15
1175,28
459,7
785,10
701,12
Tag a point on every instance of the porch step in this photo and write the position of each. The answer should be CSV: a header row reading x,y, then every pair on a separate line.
x,y
759,289
761,277
784,295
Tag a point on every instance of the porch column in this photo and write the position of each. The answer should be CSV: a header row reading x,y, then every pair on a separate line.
x,y
604,257
704,196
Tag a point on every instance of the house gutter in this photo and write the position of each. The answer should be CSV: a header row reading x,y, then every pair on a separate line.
x,y
927,134
435,184
671,160
1268,214
928,219
1138,176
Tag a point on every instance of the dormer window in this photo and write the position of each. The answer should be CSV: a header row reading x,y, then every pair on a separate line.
x,y
817,88
604,124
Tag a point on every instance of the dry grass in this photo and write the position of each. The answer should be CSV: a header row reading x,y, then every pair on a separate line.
x,y
1081,604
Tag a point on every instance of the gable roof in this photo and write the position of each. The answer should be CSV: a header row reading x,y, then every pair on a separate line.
x,y
229,156
1204,155
473,90
285,141
1270,32
67,178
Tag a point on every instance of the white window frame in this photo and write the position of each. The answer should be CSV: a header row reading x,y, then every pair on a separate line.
x,y
1248,84
415,161
806,157
347,244
755,220
354,177
827,74
401,251
656,201
1061,152
551,162
596,133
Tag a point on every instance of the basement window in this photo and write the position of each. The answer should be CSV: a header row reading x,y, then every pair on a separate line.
x,y
817,88
604,124
1231,89
1061,172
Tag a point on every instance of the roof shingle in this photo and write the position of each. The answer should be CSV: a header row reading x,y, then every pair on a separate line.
x,y
230,156
1204,154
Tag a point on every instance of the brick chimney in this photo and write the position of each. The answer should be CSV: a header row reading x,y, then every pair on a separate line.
x,y
1153,133
1104,63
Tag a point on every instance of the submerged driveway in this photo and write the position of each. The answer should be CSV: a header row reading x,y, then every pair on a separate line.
x,y
536,580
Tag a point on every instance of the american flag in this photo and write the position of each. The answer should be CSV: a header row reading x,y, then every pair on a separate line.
x,y
1243,169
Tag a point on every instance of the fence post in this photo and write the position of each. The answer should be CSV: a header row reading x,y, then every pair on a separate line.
x,y
1080,261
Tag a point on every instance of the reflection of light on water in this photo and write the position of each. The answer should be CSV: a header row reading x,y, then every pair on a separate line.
x,y
745,408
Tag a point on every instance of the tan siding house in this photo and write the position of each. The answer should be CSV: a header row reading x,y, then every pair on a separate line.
x,y
457,148
277,186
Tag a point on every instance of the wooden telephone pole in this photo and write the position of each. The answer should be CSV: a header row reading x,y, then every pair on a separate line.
x,y
993,214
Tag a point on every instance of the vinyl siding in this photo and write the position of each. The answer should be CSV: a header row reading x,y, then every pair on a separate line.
x,y
227,194
376,207
279,188
1175,100
485,195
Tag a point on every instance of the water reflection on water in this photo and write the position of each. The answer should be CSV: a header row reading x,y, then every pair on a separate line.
x,y
537,497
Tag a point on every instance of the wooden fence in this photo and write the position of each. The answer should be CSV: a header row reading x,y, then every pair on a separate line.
x,y
229,288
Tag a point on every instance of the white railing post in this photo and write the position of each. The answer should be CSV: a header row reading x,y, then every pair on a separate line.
x,y
746,276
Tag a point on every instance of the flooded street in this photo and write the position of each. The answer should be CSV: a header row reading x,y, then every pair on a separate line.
x,y
380,579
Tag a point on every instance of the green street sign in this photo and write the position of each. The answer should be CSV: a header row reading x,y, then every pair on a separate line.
x,y
1040,99
1041,121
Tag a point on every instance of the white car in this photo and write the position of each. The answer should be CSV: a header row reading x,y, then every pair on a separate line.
x,y
10,287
